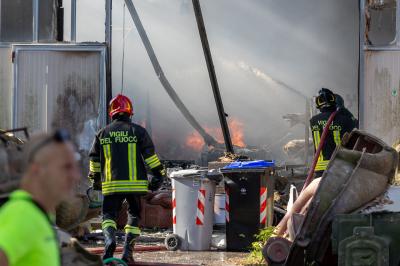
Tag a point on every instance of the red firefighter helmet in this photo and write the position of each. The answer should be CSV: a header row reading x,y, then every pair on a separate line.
x,y
120,104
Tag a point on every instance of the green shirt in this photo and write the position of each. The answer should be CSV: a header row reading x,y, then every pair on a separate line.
x,y
26,233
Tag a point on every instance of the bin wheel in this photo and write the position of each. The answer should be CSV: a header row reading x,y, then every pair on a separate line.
x,y
276,250
172,242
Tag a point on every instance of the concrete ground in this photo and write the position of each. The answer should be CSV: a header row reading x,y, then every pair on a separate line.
x,y
156,239
213,258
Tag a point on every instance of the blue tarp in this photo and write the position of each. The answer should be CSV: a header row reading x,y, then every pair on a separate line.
x,y
250,164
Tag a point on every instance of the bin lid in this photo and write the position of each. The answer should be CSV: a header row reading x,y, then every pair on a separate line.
x,y
249,165
188,173
214,175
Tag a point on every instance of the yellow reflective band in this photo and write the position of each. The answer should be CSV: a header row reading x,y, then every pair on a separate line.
x,y
130,166
155,164
139,182
336,137
317,140
321,165
108,223
154,160
151,159
125,186
132,187
125,182
94,167
162,171
132,229
134,163
119,189
124,190
107,165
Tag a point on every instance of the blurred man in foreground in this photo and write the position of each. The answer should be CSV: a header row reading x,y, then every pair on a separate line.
x,y
27,236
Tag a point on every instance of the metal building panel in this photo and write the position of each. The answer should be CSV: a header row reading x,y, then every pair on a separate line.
x,y
381,105
61,86
57,87
5,87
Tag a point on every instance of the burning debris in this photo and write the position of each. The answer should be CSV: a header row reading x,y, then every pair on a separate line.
x,y
218,152
196,142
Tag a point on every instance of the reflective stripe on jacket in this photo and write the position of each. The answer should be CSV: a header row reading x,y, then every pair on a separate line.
x,y
342,123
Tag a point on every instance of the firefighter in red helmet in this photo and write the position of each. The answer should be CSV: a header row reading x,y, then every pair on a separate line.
x,y
118,159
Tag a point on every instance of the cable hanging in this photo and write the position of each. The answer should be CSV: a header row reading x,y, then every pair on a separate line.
x,y
123,49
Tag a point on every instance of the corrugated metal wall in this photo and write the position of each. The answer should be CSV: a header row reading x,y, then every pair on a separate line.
x,y
57,89
381,101
61,89
5,87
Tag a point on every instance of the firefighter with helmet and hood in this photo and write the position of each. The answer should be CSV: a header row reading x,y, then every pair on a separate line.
x,y
118,159
327,102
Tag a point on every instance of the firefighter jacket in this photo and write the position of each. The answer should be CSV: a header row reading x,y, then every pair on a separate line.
x,y
118,156
343,122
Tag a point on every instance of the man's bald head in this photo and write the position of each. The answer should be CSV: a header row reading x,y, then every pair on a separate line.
x,y
50,167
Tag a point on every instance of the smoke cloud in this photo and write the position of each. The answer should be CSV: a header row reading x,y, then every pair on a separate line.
x,y
268,55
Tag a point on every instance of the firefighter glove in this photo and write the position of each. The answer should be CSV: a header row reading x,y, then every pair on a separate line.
x,y
155,183
97,185
95,180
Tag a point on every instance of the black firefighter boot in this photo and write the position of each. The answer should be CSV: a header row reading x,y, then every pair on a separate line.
x,y
109,241
128,247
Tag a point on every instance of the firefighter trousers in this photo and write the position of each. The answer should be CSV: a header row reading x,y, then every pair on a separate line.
x,y
112,205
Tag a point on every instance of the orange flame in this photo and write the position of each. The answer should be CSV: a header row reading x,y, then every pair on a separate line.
x,y
237,134
196,142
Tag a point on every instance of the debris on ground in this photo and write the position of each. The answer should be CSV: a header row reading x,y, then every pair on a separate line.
x,y
232,157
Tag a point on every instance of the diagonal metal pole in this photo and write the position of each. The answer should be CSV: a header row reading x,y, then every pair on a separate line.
x,y
213,77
